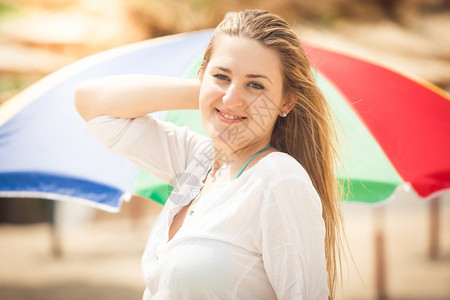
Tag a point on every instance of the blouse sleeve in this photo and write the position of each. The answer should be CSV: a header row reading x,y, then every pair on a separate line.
x,y
162,148
293,234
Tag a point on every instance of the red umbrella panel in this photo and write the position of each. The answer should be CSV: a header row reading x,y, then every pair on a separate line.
x,y
409,119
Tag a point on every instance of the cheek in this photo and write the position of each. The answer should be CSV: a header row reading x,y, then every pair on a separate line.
x,y
204,100
265,109
209,94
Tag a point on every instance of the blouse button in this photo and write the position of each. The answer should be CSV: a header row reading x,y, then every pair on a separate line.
x,y
191,212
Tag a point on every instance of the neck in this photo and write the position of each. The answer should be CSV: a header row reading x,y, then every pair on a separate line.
x,y
229,163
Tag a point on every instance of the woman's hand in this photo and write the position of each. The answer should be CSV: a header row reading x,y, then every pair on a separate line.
x,y
132,96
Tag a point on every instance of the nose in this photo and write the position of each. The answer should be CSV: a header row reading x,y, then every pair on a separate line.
x,y
234,96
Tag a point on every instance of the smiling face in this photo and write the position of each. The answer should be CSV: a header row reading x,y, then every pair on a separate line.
x,y
241,94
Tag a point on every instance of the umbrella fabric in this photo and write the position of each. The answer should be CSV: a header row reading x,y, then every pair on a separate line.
x,y
47,152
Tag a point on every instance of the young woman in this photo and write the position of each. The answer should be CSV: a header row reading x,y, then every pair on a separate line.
x,y
255,212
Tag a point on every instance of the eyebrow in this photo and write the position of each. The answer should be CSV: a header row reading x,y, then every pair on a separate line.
x,y
259,76
249,76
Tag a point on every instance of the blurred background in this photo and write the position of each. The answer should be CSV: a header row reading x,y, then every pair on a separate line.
x,y
55,250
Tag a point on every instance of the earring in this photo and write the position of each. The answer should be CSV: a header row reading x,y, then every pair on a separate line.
x,y
283,114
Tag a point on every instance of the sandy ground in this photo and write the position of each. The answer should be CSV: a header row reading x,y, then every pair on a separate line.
x,y
101,257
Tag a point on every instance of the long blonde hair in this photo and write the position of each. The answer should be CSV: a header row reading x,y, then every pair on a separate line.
x,y
307,132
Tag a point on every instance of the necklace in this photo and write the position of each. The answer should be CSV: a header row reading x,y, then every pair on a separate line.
x,y
248,161
192,209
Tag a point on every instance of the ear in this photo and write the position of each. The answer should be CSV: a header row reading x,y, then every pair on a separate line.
x,y
288,105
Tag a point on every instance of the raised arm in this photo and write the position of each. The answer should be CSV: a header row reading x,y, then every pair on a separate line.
x,y
132,96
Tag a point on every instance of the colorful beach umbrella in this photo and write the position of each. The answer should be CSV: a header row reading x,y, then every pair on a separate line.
x,y
47,152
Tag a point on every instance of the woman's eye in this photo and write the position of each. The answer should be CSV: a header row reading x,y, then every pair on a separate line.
x,y
256,85
221,77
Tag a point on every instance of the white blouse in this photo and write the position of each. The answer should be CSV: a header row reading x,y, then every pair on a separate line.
x,y
260,236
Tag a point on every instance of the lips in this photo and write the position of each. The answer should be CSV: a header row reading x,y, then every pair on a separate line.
x,y
228,117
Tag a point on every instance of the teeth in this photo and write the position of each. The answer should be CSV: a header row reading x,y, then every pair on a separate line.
x,y
230,117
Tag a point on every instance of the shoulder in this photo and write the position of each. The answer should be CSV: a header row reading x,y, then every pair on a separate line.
x,y
286,181
281,166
